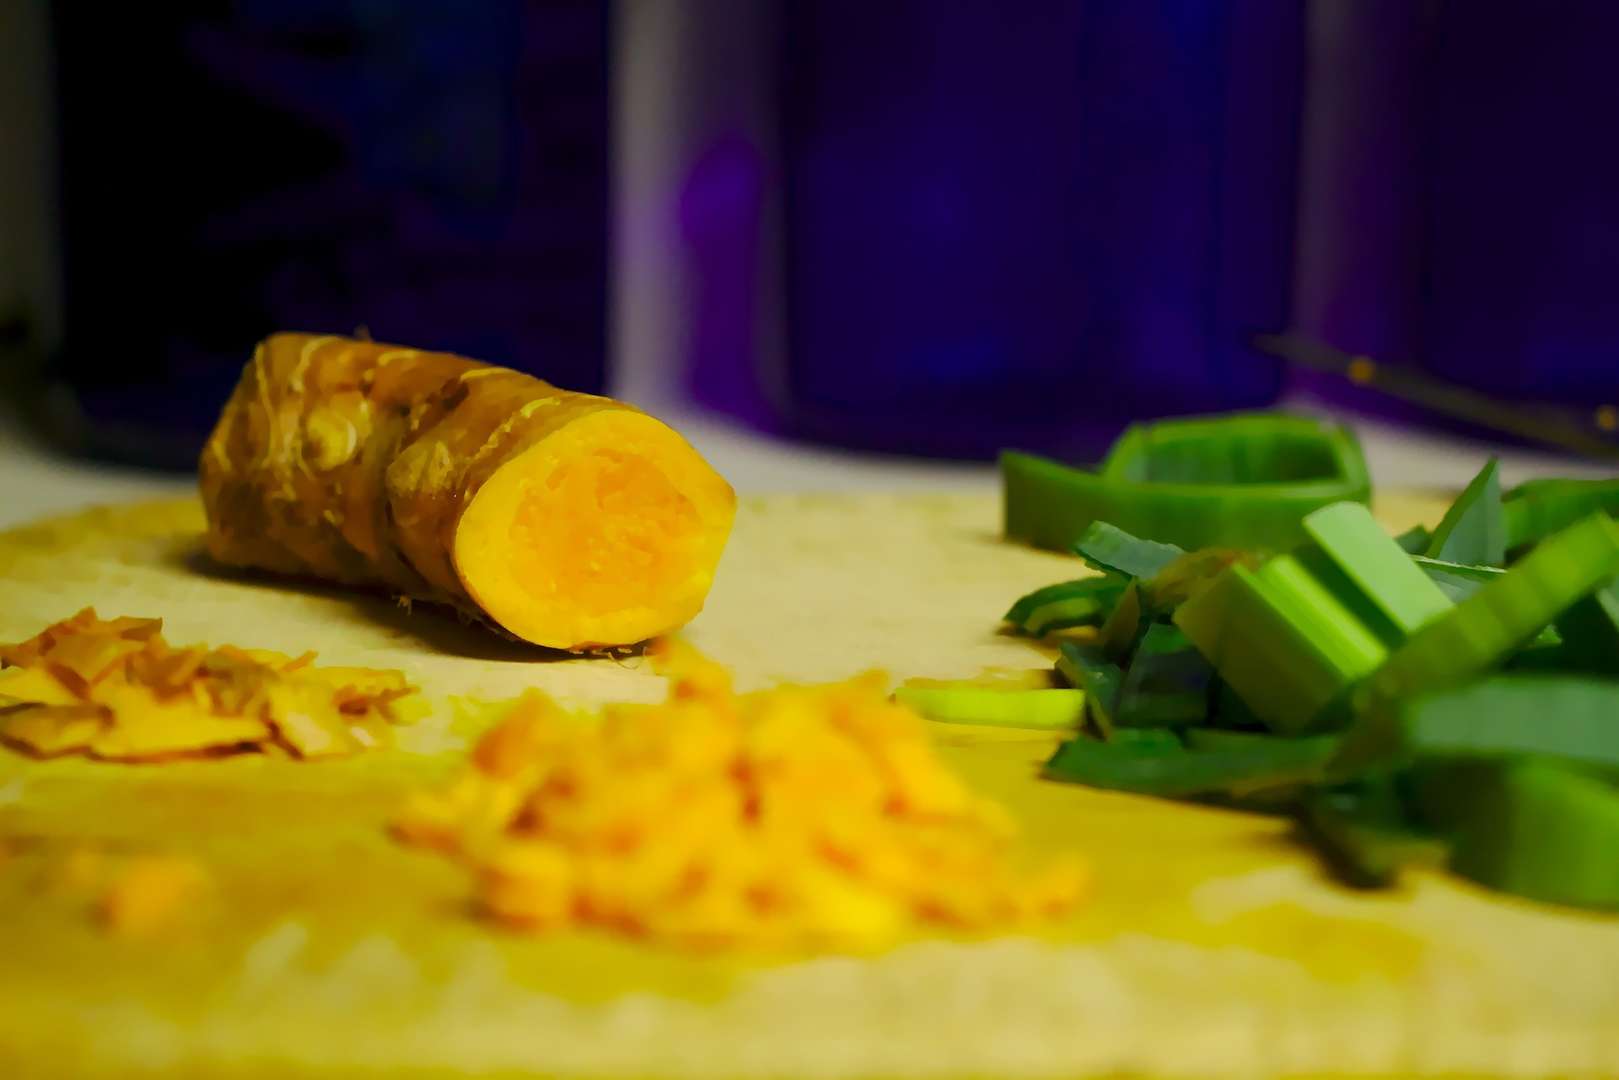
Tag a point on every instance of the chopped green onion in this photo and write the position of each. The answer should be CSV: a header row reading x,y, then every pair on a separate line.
x,y
1309,604
1067,604
1590,633
1026,604
1513,779
1456,580
1237,449
1189,575
1527,826
1087,669
1167,683
1114,551
1240,482
1364,836
1384,574
1558,716
1415,540
1352,602
1282,796
1474,529
1232,713
1285,677
1213,738
1546,653
1049,709
1147,740
1481,631
1536,509
1068,615
1088,609
1118,636
1275,763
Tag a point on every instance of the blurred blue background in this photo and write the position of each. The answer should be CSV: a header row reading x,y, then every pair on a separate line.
x,y
922,228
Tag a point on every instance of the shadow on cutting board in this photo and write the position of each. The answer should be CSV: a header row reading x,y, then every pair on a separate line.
x,y
438,627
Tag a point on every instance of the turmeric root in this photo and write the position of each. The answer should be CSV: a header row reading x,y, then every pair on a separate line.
x,y
570,520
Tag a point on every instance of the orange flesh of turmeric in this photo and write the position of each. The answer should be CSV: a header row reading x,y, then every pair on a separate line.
x,y
569,520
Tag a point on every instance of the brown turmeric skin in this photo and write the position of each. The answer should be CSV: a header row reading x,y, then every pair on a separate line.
x,y
569,520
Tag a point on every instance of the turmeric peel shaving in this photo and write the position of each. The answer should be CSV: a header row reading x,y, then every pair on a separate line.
x,y
115,689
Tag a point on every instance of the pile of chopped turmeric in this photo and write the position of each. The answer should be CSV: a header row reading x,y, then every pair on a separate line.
x,y
114,689
795,817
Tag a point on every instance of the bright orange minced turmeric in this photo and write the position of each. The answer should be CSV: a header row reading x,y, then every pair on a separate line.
x,y
797,817
568,520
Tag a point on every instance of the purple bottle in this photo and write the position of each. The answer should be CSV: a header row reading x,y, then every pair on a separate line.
x,y
433,172
1029,224
1460,212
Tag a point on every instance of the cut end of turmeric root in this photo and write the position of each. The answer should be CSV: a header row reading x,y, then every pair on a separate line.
x,y
569,520
795,818
605,532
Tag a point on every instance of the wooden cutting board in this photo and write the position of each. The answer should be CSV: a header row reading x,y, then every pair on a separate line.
x,y
1214,945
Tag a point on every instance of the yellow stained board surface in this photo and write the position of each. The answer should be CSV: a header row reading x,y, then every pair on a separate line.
x,y
1213,945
